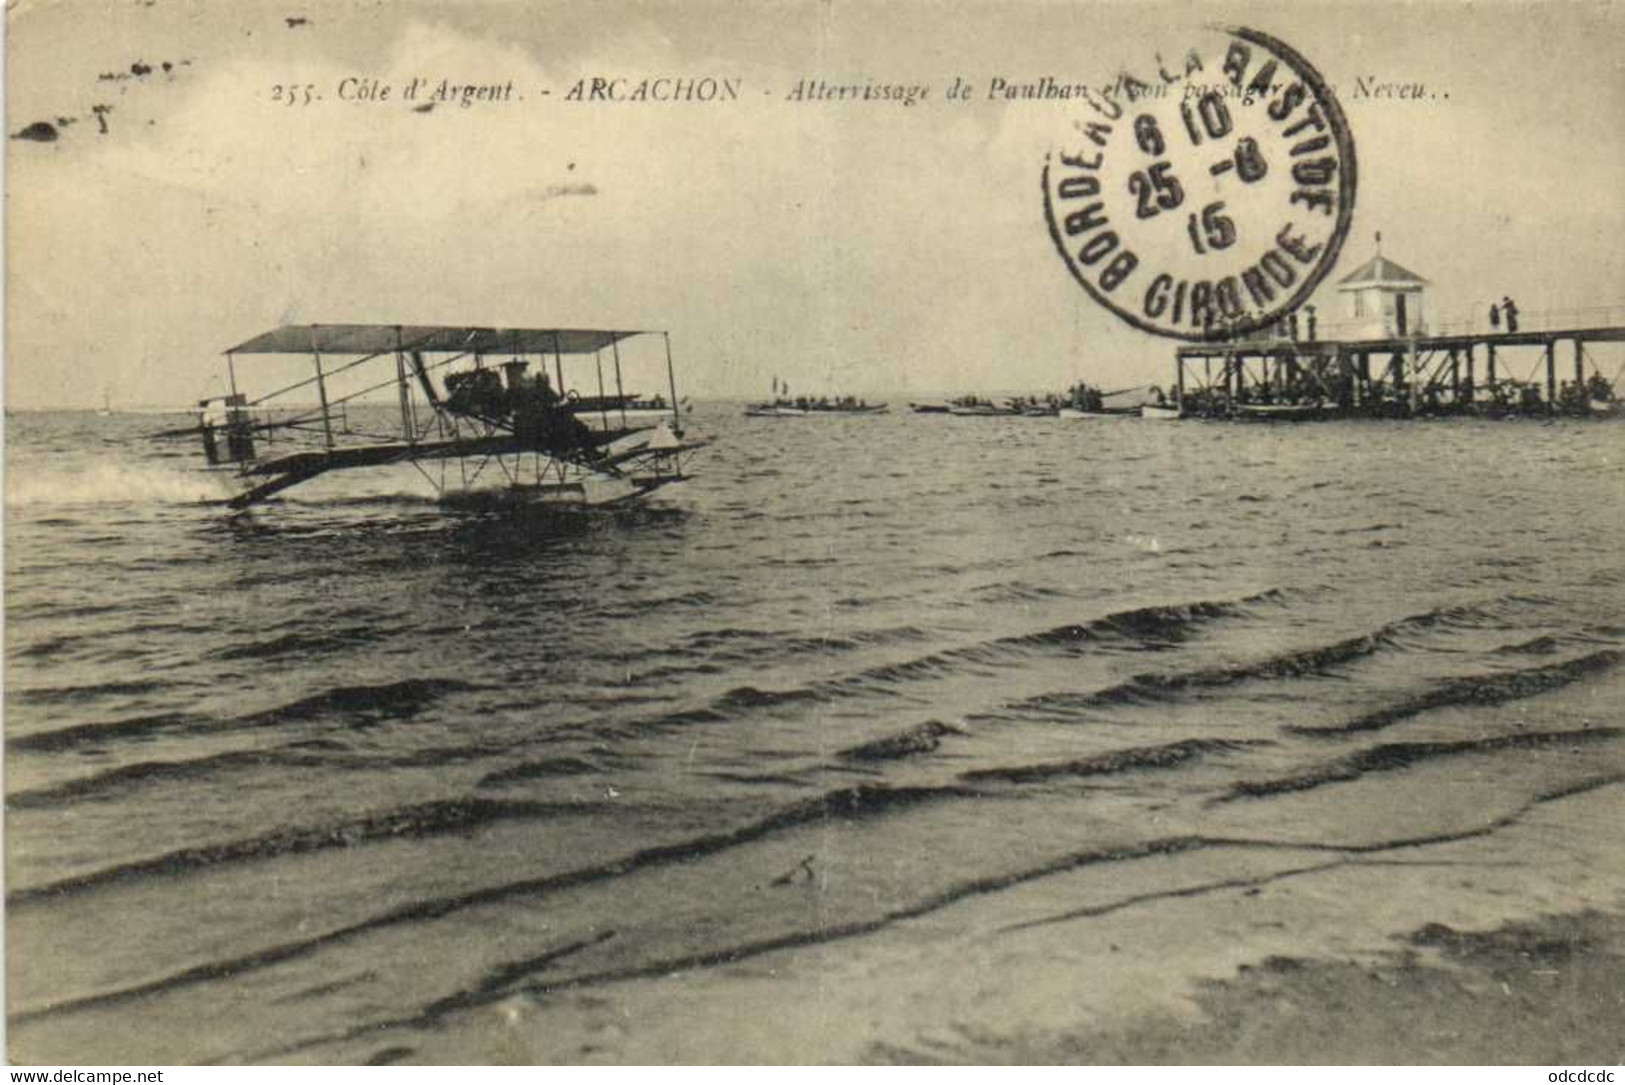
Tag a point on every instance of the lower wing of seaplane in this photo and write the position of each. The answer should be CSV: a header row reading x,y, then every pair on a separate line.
x,y
469,414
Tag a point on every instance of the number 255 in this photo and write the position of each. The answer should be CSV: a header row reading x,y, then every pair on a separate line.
x,y
293,93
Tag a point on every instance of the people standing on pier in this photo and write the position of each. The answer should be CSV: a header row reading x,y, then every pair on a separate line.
x,y
1511,312
1495,315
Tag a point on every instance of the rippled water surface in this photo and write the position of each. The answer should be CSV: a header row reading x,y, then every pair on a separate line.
x,y
274,781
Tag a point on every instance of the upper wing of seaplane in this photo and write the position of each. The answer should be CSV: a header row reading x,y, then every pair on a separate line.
x,y
539,415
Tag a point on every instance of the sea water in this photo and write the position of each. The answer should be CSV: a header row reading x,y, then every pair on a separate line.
x,y
294,783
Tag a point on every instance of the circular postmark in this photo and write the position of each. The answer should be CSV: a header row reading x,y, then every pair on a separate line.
x,y
1209,201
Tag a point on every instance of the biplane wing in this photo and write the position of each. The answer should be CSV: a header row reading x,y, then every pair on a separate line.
x,y
355,340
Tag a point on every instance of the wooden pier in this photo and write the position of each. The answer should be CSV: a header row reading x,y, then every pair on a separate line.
x,y
1548,372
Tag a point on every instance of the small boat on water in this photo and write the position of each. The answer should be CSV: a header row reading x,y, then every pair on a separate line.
x,y
972,407
773,410
606,411
782,406
977,407
1084,400
1034,407
1104,412
1161,412
1278,412
801,407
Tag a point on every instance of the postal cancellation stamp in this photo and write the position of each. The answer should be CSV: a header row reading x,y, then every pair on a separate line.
x,y
1207,200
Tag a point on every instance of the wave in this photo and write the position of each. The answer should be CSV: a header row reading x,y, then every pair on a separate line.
x,y
1151,688
684,600
507,979
66,695
1368,529
412,822
1485,689
113,781
390,700
709,651
540,770
1148,626
107,483
748,697
138,728
49,647
1538,646
298,644
859,801
1399,755
1299,664
924,738
1143,628
1171,755
1015,591
691,716
504,976
318,753
863,800
1552,643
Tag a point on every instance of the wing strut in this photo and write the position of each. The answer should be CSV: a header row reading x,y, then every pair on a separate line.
x,y
671,378
423,379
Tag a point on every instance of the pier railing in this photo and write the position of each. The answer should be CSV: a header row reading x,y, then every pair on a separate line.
x,y
1532,320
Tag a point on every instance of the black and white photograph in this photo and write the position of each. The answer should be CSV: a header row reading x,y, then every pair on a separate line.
x,y
814,533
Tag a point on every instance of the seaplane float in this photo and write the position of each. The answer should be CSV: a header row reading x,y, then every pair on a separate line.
x,y
469,421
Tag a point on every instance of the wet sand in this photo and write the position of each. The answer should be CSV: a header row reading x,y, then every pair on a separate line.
x,y
1541,992
1502,943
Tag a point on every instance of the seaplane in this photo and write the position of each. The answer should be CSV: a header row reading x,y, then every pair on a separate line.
x,y
475,418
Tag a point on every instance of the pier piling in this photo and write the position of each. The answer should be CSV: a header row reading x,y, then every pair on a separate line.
x,y
1423,374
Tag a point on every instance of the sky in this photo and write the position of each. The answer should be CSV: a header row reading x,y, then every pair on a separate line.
x,y
861,248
